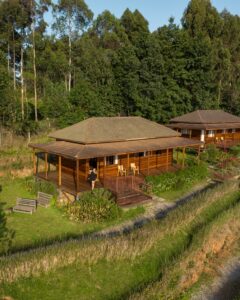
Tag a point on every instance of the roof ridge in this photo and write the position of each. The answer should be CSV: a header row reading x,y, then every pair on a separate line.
x,y
200,117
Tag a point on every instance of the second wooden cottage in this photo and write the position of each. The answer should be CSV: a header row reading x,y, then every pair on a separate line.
x,y
209,126
118,147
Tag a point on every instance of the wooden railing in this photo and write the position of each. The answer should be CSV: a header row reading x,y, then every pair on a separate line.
x,y
123,184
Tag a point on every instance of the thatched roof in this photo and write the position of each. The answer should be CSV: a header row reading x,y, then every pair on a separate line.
x,y
80,151
112,129
206,117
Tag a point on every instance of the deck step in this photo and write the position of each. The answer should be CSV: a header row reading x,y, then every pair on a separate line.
x,y
133,199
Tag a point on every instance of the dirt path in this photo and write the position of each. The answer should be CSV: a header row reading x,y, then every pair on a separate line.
x,y
226,287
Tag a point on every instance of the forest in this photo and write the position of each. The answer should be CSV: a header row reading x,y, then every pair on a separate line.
x,y
87,65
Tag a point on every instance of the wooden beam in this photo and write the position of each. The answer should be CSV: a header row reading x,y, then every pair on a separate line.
x,y
148,162
34,162
183,157
59,170
190,133
46,164
77,175
104,167
177,150
167,159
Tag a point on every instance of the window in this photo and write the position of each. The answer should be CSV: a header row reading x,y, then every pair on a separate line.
x,y
184,131
159,152
109,160
233,130
211,133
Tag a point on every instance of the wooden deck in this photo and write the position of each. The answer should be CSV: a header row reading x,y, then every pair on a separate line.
x,y
68,182
126,189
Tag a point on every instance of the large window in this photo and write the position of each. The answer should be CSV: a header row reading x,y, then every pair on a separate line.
x,y
184,131
211,133
111,160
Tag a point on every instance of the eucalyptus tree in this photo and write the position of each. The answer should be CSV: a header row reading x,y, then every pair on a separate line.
x,y
72,17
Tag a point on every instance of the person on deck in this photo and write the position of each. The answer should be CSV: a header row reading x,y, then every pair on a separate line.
x,y
92,177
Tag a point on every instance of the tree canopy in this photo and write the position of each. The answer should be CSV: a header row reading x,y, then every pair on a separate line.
x,y
106,66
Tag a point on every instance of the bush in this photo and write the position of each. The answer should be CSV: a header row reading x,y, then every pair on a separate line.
x,y
6,235
213,155
34,186
235,150
178,180
94,206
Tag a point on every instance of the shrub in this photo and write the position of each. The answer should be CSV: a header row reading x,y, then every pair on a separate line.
x,y
178,180
6,235
213,155
34,186
235,150
94,206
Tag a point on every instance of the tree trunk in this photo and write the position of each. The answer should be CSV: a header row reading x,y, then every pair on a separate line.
x,y
70,53
34,65
8,58
22,85
14,61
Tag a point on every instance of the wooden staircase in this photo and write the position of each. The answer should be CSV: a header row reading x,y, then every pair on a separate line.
x,y
127,190
133,198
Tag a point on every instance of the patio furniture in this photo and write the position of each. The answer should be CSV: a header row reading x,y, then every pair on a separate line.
x,y
25,205
121,170
134,169
44,199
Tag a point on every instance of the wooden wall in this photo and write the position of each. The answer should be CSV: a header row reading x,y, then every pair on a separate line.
x,y
152,160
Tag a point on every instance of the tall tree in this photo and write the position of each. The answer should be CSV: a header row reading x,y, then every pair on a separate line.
x,y
71,18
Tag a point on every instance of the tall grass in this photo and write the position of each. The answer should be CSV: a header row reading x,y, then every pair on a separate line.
x,y
158,243
211,245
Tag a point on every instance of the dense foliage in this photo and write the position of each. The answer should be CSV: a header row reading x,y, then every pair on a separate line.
x,y
6,235
34,186
83,67
96,206
179,180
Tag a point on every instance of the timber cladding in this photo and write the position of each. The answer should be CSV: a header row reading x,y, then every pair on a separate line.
x,y
152,160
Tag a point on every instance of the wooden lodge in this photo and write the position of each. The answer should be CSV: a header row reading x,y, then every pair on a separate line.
x,y
122,149
210,127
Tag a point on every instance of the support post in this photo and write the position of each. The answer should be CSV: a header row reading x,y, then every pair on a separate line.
x,y
77,175
104,168
46,165
190,133
177,154
59,171
128,162
183,157
34,162
148,162
167,159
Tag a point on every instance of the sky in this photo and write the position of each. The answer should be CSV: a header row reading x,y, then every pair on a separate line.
x,y
157,12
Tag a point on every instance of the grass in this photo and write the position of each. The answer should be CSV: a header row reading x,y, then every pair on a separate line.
x,y
176,194
171,186
47,224
123,266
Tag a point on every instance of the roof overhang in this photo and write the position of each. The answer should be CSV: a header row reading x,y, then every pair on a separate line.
x,y
79,151
205,126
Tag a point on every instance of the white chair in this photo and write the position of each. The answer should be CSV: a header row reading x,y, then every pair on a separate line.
x,y
134,168
121,170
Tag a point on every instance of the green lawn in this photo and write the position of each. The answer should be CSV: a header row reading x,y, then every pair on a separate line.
x,y
116,276
47,224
